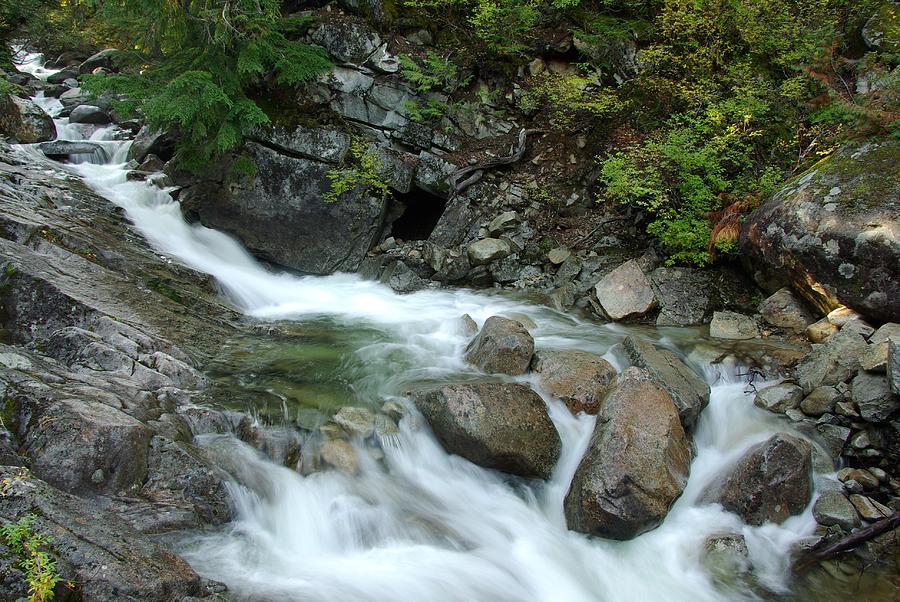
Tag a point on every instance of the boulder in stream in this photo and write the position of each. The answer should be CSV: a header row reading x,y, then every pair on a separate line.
x,y
495,425
503,346
769,483
636,465
625,292
580,379
24,122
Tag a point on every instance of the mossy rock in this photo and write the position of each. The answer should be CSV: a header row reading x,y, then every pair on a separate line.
x,y
831,233
882,31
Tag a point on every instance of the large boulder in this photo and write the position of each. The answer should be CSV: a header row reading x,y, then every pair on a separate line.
x,y
150,142
580,379
103,59
769,483
503,346
483,252
732,325
872,395
24,122
636,465
684,296
831,233
496,425
625,292
688,390
89,114
280,215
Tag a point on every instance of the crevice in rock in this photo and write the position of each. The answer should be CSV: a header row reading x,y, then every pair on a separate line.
x,y
419,213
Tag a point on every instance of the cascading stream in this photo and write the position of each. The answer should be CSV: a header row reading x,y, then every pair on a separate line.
x,y
424,525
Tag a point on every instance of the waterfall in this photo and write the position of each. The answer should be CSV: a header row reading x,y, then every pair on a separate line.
x,y
424,525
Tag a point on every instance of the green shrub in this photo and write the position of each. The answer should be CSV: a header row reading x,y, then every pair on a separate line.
x,y
35,561
363,172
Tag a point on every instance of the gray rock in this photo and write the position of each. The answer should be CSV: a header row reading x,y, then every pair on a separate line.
x,y
279,214
106,557
731,325
889,330
467,325
819,401
779,398
339,454
727,558
495,425
785,310
64,148
832,362
149,141
503,222
580,379
832,508
875,358
346,41
503,346
318,144
829,233
873,397
89,114
625,292
869,509
688,390
769,483
636,465
834,437
25,122
683,296
893,366
483,252
558,255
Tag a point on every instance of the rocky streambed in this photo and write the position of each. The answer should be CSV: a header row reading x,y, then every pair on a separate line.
x,y
186,423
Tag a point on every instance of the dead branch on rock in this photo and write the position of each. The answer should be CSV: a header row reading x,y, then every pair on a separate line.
x,y
829,548
468,175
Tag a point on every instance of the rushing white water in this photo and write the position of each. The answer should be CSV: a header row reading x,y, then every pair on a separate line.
x,y
424,525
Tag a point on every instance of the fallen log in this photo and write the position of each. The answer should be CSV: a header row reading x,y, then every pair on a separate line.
x,y
829,548
468,175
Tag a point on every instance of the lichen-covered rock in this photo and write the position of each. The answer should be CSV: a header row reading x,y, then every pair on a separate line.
x,y
769,483
819,401
495,425
503,346
24,122
580,379
636,465
689,391
831,233
683,295
625,292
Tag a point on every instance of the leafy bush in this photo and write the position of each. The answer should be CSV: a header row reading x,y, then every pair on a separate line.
x,y
500,25
34,560
363,172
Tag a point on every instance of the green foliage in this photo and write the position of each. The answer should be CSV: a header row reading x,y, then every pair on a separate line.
x,y
500,25
193,65
363,172
34,560
433,74
571,96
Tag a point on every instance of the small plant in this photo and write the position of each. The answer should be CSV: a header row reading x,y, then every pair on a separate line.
x,y
34,560
364,171
434,74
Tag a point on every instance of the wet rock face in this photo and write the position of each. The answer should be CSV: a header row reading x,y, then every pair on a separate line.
x,y
770,482
280,215
831,233
833,362
688,390
636,465
503,346
24,122
580,379
495,425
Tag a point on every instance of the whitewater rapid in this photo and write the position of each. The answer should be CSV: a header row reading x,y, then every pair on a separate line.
x,y
423,525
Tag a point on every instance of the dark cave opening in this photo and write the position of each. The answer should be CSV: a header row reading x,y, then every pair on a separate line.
x,y
419,212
